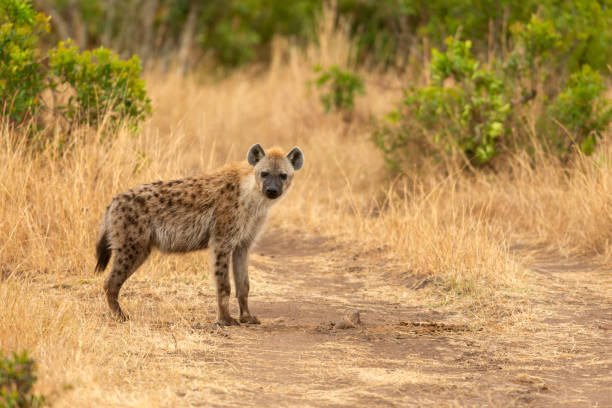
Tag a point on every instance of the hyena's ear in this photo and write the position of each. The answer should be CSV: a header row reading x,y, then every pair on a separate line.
x,y
255,154
296,158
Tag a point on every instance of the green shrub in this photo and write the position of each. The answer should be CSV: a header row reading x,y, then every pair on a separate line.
x,y
530,64
340,88
537,39
101,85
476,109
21,81
586,32
16,380
582,110
463,108
391,30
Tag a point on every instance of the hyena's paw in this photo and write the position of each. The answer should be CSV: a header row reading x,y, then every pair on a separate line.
x,y
120,316
249,320
227,321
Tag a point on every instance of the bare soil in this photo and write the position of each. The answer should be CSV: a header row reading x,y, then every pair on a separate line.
x,y
550,345
405,353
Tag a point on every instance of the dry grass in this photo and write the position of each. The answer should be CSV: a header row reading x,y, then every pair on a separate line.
x,y
457,228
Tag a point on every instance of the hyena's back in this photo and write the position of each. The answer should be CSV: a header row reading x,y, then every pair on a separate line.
x,y
174,216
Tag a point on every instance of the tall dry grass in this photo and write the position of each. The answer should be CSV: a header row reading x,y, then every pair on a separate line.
x,y
457,227
459,224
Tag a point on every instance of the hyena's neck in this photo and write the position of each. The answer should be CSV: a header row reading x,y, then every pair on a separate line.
x,y
252,198
254,210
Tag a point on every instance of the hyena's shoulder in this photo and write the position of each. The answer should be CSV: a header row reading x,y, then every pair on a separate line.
x,y
225,183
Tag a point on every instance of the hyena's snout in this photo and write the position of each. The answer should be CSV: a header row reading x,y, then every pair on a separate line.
x,y
273,188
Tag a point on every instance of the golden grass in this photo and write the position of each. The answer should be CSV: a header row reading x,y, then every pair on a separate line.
x,y
457,228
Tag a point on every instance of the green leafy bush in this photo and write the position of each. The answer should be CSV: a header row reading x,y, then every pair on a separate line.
x,y
537,40
20,80
582,110
100,84
476,109
16,380
585,30
463,108
340,88
103,85
391,30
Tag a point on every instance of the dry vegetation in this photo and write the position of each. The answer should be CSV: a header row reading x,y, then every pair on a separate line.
x,y
474,235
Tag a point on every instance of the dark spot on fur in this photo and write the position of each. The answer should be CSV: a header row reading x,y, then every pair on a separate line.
x,y
156,194
140,230
193,196
162,200
224,288
157,183
179,201
131,220
170,202
140,200
224,266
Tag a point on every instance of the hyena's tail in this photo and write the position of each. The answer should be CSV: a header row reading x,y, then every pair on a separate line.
x,y
103,251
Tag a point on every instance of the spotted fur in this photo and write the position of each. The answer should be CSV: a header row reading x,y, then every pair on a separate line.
x,y
225,210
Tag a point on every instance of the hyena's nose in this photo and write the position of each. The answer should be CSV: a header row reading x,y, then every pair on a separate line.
x,y
272,192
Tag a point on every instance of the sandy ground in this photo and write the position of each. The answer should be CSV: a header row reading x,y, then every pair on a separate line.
x,y
553,349
403,353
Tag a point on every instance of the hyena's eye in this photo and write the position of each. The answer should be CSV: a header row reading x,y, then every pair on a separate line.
x,y
283,176
264,174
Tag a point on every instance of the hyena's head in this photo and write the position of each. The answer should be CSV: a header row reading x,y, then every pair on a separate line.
x,y
274,170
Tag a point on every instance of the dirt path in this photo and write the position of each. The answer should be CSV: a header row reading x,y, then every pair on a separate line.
x,y
406,353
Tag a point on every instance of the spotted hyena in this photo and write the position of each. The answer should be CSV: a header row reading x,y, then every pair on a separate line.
x,y
224,210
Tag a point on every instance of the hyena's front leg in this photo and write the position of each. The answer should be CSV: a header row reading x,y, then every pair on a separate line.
x,y
220,264
241,280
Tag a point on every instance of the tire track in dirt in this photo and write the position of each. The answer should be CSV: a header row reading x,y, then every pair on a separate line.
x,y
405,353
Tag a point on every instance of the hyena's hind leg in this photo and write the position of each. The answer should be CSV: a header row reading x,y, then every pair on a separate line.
x,y
126,260
241,281
220,260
